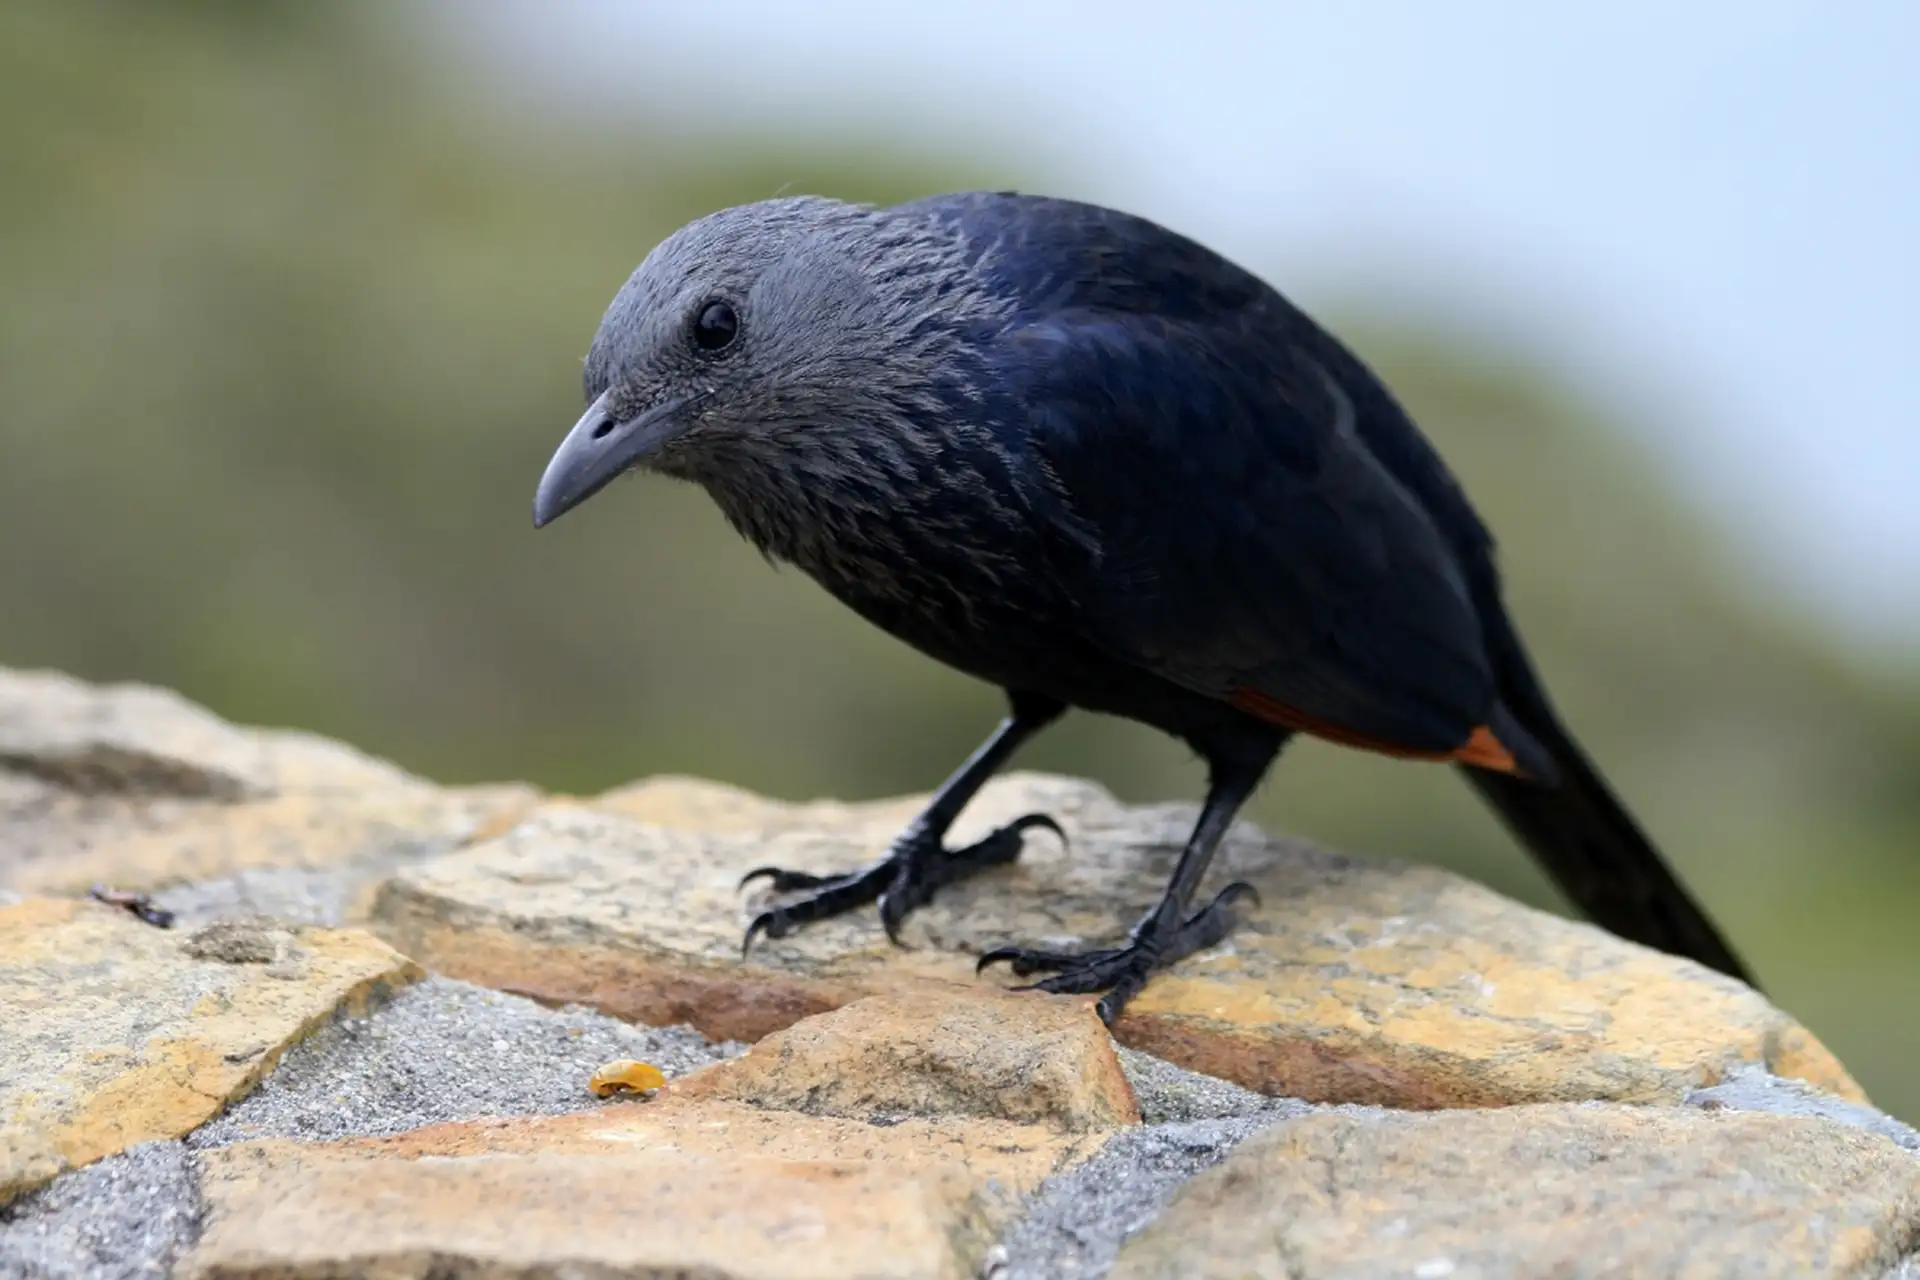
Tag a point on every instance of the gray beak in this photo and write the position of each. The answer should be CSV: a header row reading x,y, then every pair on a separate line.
x,y
597,451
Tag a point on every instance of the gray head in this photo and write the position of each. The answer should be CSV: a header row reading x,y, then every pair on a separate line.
x,y
766,349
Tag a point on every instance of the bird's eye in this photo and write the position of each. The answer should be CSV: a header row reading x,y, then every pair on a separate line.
x,y
715,326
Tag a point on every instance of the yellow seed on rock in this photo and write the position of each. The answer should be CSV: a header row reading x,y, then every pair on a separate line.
x,y
625,1076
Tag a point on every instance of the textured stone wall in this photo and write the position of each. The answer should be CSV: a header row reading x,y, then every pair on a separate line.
x,y
364,1047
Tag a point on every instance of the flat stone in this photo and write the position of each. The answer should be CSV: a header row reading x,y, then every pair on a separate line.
x,y
1030,1059
373,830
134,739
1356,981
1541,1190
116,1032
136,787
675,1186
42,824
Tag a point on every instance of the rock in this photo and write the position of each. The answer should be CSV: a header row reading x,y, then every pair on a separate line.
x,y
136,740
1357,981
670,1187
1030,1059
1754,1090
117,1033
241,942
137,788
372,830
645,1215
899,1116
1540,1190
43,825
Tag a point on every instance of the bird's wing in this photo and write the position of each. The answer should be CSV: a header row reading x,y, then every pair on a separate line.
x,y
1219,520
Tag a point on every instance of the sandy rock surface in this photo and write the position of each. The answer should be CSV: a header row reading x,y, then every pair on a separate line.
x,y
364,1047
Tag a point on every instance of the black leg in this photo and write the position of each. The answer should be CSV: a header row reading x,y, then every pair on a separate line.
x,y
919,862
1165,935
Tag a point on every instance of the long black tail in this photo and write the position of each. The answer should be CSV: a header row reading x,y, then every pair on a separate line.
x,y
1586,839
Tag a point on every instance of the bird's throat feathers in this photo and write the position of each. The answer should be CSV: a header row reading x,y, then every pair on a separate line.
x,y
884,506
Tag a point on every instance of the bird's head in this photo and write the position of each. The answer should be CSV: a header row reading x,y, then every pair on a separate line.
x,y
751,341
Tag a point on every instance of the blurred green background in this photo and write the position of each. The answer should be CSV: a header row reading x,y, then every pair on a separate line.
x,y
288,327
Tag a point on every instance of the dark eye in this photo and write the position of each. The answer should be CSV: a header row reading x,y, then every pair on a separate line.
x,y
715,327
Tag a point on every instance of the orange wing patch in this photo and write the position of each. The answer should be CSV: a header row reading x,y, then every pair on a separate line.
x,y
1481,748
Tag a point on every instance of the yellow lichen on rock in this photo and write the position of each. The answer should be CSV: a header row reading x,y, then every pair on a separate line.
x,y
1539,1191
678,1187
116,1033
1030,1059
1357,981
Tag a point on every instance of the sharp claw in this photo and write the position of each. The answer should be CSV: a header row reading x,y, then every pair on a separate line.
x,y
785,881
1020,826
918,871
763,924
758,873
995,956
1024,960
890,920
1236,892
1122,972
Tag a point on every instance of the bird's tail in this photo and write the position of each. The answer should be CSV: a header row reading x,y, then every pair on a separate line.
x,y
1586,839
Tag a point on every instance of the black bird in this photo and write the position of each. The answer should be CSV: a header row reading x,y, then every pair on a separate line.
x,y
1073,453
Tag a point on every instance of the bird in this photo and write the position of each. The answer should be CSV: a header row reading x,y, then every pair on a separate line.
x,y
1082,457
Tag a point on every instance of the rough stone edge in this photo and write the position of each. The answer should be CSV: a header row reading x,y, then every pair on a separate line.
x,y
1076,1222
361,998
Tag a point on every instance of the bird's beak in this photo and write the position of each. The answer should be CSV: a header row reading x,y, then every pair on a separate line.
x,y
597,451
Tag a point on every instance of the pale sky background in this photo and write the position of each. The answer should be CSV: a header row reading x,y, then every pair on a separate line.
x,y
1709,211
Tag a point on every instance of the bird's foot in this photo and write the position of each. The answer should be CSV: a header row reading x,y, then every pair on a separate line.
x,y
1159,941
906,878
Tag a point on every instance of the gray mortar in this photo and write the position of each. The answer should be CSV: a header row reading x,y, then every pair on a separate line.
x,y
444,1050
1170,1094
1079,1219
127,1217
1754,1090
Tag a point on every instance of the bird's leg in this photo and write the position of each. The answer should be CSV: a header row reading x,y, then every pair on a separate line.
x,y
919,862
1162,937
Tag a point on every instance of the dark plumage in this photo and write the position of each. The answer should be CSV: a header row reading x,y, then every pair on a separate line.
x,y
1072,453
